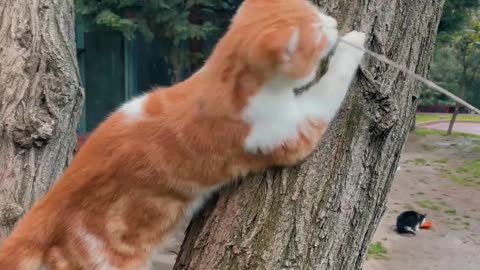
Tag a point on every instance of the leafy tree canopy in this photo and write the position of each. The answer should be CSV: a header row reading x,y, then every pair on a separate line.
x,y
456,66
171,18
176,22
455,14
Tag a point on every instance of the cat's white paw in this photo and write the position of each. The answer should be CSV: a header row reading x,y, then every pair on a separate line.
x,y
356,38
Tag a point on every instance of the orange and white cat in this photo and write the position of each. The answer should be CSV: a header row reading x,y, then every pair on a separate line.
x,y
155,159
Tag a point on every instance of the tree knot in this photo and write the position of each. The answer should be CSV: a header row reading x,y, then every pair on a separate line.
x,y
382,109
10,213
34,131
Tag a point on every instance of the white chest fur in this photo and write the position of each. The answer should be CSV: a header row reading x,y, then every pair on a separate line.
x,y
274,118
276,114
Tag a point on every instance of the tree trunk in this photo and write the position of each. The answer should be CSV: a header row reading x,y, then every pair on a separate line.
x,y
454,118
413,126
322,213
41,101
461,86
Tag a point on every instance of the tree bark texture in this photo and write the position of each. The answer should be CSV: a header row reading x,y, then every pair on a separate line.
x,y
323,213
40,101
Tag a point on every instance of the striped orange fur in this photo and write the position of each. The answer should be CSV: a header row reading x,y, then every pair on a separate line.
x,y
154,160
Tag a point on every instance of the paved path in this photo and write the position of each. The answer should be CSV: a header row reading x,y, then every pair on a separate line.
x,y
466,127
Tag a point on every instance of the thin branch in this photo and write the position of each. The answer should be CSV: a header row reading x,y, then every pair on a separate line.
x,y
415,76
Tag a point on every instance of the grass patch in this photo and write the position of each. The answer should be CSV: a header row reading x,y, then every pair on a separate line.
x,y
442,161
463,180
420,162
422,118
451,212
431,205
428,147
426,131
466,175
377,251
472,167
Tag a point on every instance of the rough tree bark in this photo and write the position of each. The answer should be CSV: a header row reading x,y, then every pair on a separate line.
x,y
322,213
40,101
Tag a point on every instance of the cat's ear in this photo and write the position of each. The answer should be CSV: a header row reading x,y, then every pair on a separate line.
x,y
277,46
292,45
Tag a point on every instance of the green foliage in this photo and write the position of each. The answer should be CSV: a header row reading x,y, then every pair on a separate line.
x,y
456,66
455,14
108,19
176,22
459,18
445,70
169,17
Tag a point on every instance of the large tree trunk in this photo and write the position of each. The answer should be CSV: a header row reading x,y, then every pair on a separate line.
x,y
40,101
322,213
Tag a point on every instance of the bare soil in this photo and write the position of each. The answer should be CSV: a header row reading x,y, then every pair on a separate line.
x,y
422,185
454,207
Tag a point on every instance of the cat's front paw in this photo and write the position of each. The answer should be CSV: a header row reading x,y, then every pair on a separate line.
x,y
329,31
356,38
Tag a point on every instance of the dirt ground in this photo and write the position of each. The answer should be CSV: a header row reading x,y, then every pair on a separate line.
x,y
427,182
431,180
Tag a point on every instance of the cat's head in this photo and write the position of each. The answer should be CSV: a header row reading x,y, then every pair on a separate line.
x,y
421,218
285,39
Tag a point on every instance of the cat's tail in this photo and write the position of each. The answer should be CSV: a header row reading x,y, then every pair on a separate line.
x,y
21,254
